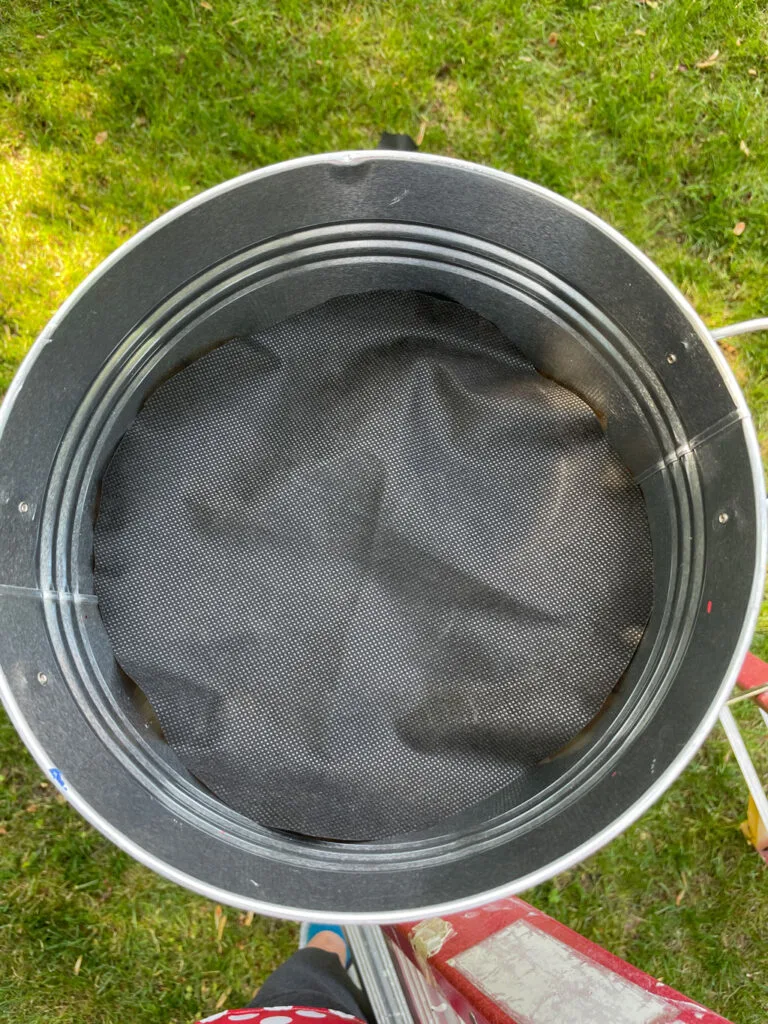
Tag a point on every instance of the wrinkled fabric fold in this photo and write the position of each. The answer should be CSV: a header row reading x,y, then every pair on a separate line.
x,y
368,566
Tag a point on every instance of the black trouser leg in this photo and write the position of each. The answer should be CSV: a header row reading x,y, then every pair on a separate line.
x,y
313,977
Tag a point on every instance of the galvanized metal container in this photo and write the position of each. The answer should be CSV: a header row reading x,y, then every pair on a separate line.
x,y
583,304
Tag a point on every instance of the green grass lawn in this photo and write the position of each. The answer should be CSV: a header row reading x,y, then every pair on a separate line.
x,y
112,111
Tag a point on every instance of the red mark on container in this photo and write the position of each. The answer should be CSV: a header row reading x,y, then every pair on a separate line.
x,y
709,607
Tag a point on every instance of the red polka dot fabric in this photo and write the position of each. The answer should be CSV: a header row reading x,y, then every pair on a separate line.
x,y
279,1015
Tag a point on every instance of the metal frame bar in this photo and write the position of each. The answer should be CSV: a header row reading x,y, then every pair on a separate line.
x,y
748,770
745,327
378,975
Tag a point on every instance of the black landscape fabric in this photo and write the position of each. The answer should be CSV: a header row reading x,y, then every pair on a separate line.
x,y
369,566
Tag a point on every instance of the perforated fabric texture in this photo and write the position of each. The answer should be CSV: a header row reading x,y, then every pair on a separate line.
x,y
368,566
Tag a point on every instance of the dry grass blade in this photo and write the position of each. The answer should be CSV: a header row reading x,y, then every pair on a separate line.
x,y
78,965
711,59
681,894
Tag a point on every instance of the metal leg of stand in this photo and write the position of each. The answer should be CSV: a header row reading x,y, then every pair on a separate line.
x,y
752,779
378,975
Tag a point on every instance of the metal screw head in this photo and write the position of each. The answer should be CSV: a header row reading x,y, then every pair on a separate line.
x,y
723,517
671,358
42,677
23,507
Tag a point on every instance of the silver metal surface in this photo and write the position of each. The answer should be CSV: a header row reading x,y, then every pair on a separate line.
x,y
378,975
748,770
249,897
744,327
